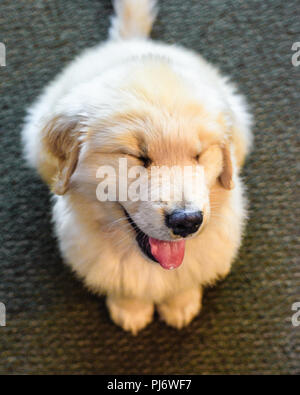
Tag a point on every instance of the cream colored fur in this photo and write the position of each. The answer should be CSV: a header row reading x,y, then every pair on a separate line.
x,y
112,96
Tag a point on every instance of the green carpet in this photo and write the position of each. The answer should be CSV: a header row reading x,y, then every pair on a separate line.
x,y
53,324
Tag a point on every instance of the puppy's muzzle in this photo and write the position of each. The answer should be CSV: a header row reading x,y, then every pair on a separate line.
x,y
184,223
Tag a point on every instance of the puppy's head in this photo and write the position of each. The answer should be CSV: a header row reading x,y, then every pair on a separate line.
x,y
151,160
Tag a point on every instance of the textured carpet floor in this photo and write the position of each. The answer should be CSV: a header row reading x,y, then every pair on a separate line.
x,y
53,324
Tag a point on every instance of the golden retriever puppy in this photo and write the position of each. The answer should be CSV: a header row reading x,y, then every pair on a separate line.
x,y
107,125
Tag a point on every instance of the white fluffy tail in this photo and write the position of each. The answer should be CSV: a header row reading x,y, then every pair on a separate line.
x,y
132,19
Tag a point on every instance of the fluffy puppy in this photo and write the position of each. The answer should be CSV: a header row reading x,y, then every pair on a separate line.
x,y
154,105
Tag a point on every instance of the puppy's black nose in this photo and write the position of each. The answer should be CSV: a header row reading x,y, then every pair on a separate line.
x,y
184,223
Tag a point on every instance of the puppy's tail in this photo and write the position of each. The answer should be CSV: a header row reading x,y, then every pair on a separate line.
x,y
132,19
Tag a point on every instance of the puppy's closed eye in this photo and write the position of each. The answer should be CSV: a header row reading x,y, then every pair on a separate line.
x,y
197,157
146,161
142,159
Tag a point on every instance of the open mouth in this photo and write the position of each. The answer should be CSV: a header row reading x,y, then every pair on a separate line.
x,y
169,254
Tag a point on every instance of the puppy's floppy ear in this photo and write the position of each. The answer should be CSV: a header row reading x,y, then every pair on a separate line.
x,y
227,172
61,141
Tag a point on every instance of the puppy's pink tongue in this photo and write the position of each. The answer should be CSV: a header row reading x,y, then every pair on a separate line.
x,y
168,253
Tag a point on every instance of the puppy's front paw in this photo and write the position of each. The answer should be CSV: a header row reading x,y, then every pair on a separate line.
x,y
178,311
131,314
